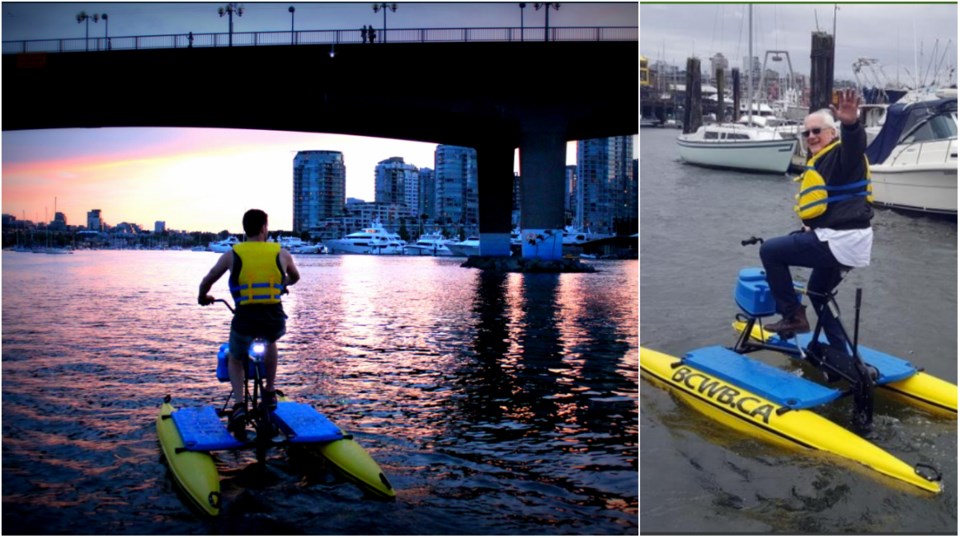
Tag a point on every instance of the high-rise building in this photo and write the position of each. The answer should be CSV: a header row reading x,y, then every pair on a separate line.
x,y
607,181
159,227
94,220
397,183
457,204
319,188
428,194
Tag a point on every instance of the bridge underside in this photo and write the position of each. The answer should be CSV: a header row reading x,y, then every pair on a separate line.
x,y
494,97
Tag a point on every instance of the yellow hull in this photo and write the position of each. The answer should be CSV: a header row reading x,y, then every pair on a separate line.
x,y
921,389
195,471
353,462
757,416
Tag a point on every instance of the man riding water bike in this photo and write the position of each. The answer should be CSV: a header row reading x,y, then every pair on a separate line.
x,y
260,273
834,205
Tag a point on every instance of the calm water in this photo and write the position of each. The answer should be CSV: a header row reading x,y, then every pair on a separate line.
x,y
497,404
698,476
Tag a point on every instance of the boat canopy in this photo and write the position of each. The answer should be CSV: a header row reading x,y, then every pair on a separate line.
x,y
903,119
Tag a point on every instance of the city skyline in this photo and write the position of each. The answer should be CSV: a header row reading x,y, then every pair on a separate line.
x,y
45,175
204,179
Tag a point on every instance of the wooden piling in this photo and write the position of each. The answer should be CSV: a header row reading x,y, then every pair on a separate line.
x,y
692,112
735,76
821,70
720,110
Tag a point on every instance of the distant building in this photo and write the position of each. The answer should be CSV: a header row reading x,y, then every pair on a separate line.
x,y
59,221
605,173
570,189
397,183
159,227
319,188
457,204
94,220
428,193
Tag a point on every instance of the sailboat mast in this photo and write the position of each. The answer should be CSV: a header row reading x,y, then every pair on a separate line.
x,y
750,65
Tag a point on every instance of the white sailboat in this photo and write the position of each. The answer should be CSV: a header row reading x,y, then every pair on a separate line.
x,y
743,145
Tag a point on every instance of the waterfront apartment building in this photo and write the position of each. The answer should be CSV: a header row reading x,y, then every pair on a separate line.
x,y
607,182
397,183
457,202
319,188
428,194
94,220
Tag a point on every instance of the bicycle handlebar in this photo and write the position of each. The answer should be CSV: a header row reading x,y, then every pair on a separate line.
x,y
752,241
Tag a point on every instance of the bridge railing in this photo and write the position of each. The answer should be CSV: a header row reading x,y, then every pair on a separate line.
x,y
323,37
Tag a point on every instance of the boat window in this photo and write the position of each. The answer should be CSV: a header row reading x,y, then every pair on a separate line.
x,y
738,136
936,128
710,135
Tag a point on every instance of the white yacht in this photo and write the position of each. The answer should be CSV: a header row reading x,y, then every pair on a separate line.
x,y
373,240
298,246
430,244
468,247
223,246
574,236
916,156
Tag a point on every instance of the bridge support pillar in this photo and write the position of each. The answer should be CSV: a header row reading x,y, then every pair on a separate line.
x,y
542,171
495,195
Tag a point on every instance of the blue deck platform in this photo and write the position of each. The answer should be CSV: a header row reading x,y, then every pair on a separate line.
x,y
759,378
304,424
891,368
201,429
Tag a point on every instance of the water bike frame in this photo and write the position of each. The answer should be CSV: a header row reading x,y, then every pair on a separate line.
x,y
258,415
835,365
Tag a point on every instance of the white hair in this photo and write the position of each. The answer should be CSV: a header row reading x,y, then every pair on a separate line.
x,y
828,120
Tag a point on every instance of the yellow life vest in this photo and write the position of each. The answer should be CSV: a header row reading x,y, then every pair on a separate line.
x,y
815,194
256,277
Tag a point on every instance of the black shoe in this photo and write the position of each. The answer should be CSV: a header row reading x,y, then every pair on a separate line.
x,y
237,424
789,326
270,399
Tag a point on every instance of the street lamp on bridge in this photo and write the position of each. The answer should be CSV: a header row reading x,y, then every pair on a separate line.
x,y
229,10
293,36
522,6
84,17
384,6
546,24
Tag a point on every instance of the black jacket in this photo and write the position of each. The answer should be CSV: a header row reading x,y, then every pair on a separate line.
x,y
842,165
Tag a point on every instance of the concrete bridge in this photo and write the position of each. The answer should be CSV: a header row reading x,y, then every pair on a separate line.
x,y
492,96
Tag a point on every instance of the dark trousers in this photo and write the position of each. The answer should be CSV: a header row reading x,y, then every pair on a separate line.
x,y
803,250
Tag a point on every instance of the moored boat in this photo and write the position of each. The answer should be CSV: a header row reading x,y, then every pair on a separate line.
x,y
374,239
739,147
914,158
225,245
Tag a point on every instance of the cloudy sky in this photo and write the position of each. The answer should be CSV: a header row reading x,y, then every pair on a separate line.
x,y
894,34
196,179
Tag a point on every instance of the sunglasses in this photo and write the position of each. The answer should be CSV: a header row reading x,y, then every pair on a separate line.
x,y
813,132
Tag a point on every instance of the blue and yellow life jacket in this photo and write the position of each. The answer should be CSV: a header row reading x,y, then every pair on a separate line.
x,y
815,194
257,277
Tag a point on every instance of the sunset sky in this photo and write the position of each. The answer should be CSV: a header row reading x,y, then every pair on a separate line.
x,y
204,179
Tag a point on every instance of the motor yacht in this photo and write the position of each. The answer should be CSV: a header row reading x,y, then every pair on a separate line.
x,y
372,240
916,156
224,245
468,247
430,244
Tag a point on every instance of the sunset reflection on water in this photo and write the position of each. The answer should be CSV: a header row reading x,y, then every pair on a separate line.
x,y
476,392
